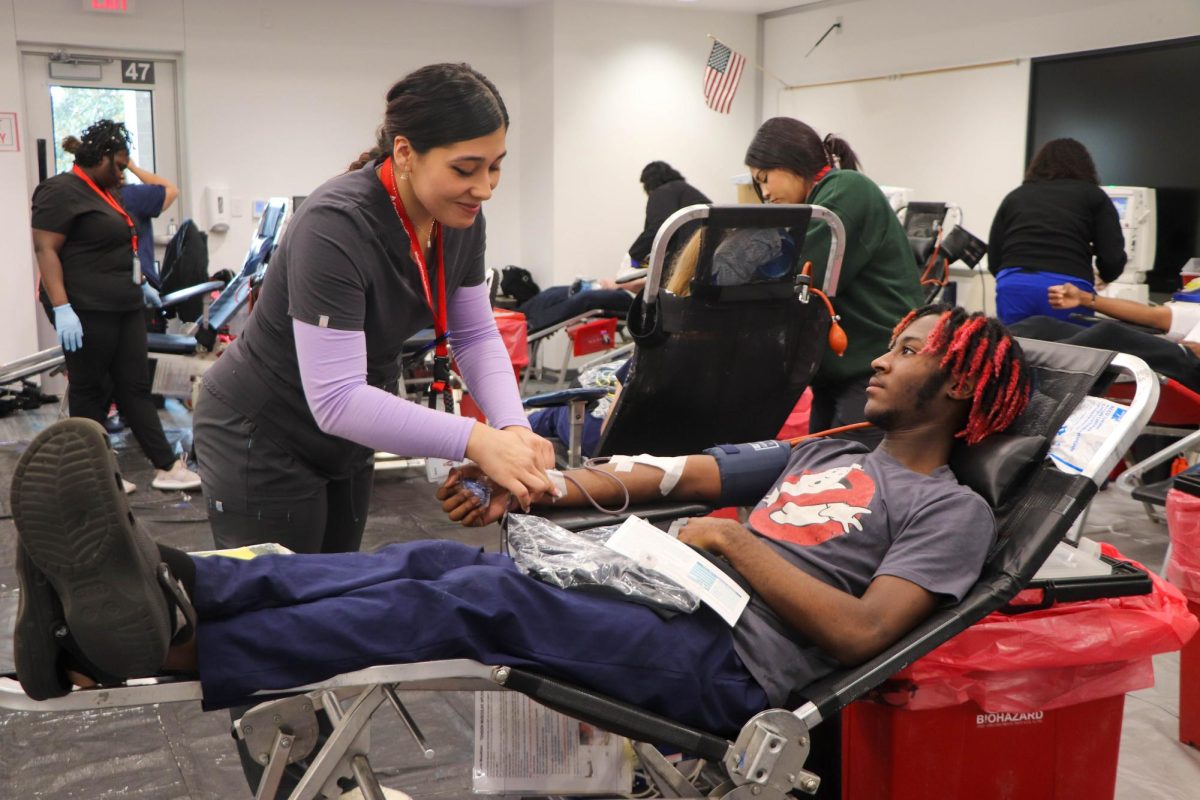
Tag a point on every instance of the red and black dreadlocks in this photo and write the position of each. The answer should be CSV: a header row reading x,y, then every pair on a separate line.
x,y
977,348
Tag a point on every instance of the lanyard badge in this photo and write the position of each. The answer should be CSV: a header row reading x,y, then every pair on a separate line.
x,y
441,353
112,202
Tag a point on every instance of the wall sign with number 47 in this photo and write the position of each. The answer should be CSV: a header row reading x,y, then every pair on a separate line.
x,y
137,71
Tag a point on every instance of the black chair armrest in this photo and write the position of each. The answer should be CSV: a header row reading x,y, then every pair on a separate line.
x,y
190,292
563,397
578,519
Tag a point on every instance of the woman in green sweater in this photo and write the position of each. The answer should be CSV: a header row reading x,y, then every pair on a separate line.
x,y
880,280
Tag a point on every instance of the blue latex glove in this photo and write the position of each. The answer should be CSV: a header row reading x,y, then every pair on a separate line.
x,y
150,294
70,329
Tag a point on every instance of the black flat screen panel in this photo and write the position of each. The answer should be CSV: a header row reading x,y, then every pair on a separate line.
x,y
1137,110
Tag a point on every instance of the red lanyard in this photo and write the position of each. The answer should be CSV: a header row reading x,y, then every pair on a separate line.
x,y
441,353
108,198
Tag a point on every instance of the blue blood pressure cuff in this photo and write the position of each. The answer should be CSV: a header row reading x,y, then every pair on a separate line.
x,y
748,471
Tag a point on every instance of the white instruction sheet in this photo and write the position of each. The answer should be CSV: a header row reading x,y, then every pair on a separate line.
x,y
1081,436
650,547
522,746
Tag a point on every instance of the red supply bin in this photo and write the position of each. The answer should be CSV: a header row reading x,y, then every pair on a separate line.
x,y
515,334
966,752
1189,688
593,336
1017,706
1183,570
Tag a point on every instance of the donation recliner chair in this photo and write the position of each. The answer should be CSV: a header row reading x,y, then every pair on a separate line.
x,y
724,363
1035,506
233,297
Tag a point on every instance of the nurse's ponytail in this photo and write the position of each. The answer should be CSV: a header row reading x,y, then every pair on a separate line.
x,y
436,106
841,155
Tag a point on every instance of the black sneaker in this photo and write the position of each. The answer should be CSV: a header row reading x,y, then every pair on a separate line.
x,y
74,523
37,638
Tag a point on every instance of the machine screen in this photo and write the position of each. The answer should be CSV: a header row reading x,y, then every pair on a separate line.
x,y
1122,206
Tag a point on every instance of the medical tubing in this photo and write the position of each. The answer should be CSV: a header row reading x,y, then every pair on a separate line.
x,y
592,465
854,426
837,337
926,279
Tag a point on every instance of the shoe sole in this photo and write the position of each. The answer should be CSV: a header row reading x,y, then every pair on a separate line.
x,y
74,522
35,647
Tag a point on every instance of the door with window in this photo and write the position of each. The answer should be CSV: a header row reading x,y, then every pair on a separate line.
x,y
66,91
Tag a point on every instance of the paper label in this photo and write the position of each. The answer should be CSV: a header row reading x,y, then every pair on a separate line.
x,y
650,547
1085,431
522,746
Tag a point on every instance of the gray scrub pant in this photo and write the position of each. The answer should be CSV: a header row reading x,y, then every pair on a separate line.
x,y
257,491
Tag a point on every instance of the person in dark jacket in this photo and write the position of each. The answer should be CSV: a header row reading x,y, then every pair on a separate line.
x,y
666,193
1047,230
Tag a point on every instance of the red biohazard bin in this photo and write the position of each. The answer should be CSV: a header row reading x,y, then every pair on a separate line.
x,y
1183,570
1189,687
1025,705
593,336
964,752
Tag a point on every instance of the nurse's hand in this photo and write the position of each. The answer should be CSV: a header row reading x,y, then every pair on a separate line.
x,y
68,327
512,461
1066,295
151,296
543,450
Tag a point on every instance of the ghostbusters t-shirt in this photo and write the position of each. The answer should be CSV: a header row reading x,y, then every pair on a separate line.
x,y
846,515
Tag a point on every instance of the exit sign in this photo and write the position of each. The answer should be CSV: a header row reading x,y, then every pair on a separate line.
x,y
109,6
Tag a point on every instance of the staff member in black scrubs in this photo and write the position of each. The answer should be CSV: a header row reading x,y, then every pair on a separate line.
x,y
86,248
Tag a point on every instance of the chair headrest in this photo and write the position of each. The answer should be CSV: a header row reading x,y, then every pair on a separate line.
x,y
994,466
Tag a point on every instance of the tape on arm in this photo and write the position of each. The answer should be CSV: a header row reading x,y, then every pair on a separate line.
x,y
558,482
748,471
672,468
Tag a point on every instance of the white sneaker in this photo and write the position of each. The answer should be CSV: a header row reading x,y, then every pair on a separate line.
x,y
178,477
129,488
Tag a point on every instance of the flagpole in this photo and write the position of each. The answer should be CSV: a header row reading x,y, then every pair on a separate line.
x,y
757,66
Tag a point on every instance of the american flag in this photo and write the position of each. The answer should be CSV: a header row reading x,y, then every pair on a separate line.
x,y
721,76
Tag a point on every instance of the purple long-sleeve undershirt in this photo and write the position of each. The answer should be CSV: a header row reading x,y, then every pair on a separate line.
x,y
333,370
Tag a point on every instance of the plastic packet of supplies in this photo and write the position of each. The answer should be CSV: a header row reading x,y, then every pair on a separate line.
x,y
1084,432
580,560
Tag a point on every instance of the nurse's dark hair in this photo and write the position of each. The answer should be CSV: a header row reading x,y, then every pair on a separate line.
x,y
102,138
438,105
787,143
978,349
1062,158
656,173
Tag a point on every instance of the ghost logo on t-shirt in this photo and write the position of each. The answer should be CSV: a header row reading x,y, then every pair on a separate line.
x,y
814,507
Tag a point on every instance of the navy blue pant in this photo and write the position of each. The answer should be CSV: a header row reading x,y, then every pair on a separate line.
x,y
281,621
557,304
1021,293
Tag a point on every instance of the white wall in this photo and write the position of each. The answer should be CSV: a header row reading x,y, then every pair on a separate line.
x,y
280,96
276,96
957,136
533,126
16,305
628,89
